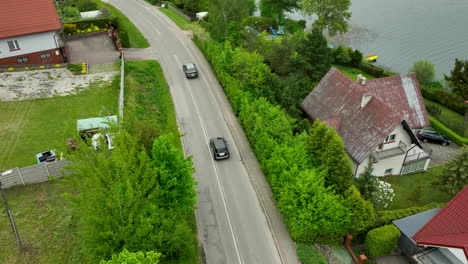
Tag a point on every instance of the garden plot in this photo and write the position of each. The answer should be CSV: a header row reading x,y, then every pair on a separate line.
x,y
46,83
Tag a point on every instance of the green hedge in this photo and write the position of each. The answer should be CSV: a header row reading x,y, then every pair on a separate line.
x,y
382,240
445,98
386,217
310,255
84,24
371,69
438,126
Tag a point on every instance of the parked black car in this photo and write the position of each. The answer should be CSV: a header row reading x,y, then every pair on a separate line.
x,y
433,137
219,147
190,70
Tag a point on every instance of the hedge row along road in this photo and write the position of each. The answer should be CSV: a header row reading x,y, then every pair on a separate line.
x,y
236,224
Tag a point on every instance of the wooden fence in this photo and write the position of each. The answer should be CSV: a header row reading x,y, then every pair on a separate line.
x,y
32,174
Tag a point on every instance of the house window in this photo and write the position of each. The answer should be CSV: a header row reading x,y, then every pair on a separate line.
x,y
22,59
390,138
45,55
388,172
13,45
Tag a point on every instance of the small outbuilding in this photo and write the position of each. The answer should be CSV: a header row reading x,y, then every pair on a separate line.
x,y
91,14
91,126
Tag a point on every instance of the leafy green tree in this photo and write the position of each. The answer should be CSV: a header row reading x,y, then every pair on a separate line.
x,y
362,212
332,15
252,7
312,212
226,17
458,79
277,8
280,56
341,55
70,13
126,257
367,181
327,152
314,57
455,175
425,71
356,58
126,200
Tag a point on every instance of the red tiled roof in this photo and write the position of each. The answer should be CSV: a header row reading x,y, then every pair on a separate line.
x,y
338,98
449,227
402,94
23,17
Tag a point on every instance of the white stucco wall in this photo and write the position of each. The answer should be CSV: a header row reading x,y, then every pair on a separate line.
x,y
30,43
395,163
456,255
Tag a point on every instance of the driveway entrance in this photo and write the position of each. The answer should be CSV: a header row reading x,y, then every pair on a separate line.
x,y
96,48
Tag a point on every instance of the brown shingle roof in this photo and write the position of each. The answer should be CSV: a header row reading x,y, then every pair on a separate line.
x,y
22,17
336,97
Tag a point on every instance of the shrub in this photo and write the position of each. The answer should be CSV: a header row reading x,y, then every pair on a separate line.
x,y
362,211
356,58
382,240
310,255
433,110
124,39
291,25
425,71
438,126
445,98
371,69
341,55
11,69
57,66
386,217
70,13
102,22
69,28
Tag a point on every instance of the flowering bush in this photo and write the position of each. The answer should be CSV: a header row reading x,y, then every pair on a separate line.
x,y
383,194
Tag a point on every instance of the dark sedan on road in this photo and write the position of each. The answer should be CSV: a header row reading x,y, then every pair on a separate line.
x,y
433,137
190,70
219,147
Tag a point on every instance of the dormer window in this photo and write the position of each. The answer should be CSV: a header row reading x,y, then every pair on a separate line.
x,y
390,139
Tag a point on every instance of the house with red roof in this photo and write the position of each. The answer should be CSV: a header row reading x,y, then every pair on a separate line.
x,y
375,118
30,33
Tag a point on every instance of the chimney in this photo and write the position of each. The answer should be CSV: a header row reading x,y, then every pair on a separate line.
x,y
365,99
361,79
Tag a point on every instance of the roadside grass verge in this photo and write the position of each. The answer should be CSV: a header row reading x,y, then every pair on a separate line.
x,y
48,122
416,189
44,224
149,112
449,118
136,39
183,24
352,72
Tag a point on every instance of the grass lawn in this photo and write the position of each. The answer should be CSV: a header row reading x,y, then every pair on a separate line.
x,y
416,189
48,122
352,72
136,39
182,23
44,225
448,117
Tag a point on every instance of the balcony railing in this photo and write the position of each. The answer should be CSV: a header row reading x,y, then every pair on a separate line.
x,y
388,153
419,156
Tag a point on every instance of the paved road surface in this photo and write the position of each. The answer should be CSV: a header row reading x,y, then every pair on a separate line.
x,y
233,227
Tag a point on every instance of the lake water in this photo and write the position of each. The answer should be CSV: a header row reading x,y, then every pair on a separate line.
x,y
401,32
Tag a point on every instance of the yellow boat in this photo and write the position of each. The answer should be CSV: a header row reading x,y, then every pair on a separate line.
x,y
371,58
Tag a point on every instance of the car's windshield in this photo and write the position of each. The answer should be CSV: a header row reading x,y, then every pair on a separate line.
x,y
191,68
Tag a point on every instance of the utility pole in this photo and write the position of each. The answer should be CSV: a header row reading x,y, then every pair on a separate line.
x,y
10,217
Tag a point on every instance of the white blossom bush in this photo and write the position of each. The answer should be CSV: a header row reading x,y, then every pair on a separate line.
x,y
383,194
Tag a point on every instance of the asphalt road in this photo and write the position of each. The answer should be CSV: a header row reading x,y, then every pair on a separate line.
x,y
231,220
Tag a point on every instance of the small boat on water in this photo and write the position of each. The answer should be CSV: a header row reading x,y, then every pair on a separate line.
x,y
372,58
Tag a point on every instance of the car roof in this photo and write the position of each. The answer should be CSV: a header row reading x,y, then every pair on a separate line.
x,y
190,66
219,142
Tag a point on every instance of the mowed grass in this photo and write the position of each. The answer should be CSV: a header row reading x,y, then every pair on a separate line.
x,y
30,127
448,117
352,72
416,189
183,24
44,223
136,39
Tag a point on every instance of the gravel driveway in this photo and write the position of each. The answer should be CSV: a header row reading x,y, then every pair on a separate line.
x,y
46,83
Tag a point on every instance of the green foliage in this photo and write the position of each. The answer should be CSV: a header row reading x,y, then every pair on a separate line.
x,y
332,15
433,110
296,88
85,5
70,13
385,217
69,28
445,98
280,56
314,57
312,212
382,240
367,182
362,211
84,24
277,8
458,79
310,255
119,201
126,257
252,7
356,58
327,151
341,55
371,69
192,5
455,175
425,71
225,19
438,126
